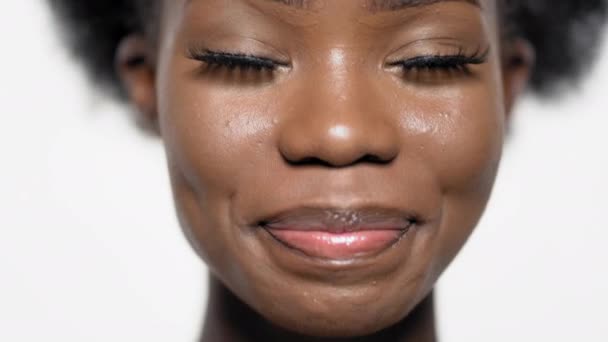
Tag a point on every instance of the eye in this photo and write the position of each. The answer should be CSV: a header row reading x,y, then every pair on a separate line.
x,y
235,61
456,62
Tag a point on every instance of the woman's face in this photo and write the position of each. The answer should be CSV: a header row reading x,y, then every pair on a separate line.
x,y
332,173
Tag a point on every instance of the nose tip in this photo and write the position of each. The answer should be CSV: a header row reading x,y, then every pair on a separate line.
x,y
338,145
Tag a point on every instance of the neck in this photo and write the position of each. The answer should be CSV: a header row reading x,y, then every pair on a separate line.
x,y
229,319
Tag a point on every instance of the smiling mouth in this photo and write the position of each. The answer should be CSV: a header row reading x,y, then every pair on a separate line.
x,y
339,234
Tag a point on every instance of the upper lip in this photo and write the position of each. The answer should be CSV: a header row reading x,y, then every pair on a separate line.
x,y
340,220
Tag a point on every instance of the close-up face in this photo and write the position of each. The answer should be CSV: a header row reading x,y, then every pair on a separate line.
x,y
329,158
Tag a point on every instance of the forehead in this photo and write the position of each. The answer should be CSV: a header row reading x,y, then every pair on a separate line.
x,y
304,13
370,5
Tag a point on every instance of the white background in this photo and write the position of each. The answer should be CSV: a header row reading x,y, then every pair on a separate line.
x,y
90,249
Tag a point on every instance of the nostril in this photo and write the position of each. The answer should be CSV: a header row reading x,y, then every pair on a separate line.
x,y
374,159
308,161
315,161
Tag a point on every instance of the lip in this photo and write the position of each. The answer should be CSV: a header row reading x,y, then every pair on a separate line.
x,y
339,234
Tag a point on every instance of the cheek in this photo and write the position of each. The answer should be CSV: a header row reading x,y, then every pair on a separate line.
x,y
212,135
463,148
214,138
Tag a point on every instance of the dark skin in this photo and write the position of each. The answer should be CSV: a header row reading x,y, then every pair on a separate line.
x,y
327,119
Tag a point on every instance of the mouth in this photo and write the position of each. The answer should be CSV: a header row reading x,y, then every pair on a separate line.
x,y
339,234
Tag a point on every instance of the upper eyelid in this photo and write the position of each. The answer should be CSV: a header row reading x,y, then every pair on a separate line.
x,y
478,57
207,55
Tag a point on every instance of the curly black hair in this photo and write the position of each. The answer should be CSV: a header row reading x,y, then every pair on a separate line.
x,y
564,33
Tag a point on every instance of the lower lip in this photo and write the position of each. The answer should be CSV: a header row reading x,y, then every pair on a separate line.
x,y
338,246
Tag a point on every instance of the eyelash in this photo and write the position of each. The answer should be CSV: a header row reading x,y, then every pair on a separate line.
x,y
455,62
233,61
459,61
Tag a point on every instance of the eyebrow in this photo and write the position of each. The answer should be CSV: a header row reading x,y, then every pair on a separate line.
x,y
379,5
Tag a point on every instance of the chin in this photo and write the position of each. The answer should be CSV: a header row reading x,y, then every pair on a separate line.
x,y
336,311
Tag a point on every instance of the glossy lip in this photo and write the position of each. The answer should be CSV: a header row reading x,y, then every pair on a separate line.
x,y
343,222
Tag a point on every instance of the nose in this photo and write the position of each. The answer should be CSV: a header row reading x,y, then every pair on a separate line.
x,y
339,119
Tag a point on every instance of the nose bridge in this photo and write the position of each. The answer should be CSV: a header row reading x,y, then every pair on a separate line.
x,y
339,118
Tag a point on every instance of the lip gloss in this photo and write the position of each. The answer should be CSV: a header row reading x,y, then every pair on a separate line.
x,y
345,245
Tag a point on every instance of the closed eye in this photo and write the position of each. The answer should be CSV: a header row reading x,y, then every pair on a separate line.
x,y
232,61
456,62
